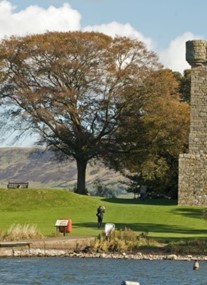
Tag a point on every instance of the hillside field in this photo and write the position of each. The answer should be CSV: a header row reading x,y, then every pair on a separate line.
x,y
42,207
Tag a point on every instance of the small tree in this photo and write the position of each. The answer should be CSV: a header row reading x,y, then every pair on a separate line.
x,y
70,87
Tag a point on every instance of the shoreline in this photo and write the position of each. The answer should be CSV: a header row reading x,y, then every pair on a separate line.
x,y
80,248
68,253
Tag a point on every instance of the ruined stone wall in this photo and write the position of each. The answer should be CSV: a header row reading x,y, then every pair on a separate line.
x,y
193,166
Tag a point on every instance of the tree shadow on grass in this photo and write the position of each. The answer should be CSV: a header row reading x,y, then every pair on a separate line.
x,y
151,229
196,213
160,202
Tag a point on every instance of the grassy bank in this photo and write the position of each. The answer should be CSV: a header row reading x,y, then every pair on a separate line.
x,y
159,218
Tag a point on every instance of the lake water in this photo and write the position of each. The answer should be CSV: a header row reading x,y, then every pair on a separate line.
x,y
89,271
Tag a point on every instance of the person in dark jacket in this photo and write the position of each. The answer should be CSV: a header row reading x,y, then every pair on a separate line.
x,y
99,214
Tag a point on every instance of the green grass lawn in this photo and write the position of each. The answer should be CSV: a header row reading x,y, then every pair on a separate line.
x,y
40,207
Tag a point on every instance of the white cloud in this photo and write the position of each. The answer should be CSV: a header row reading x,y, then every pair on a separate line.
x,y
174,56
117,29
35,19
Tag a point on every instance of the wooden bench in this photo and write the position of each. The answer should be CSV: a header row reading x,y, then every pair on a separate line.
x,y
15,243
16,185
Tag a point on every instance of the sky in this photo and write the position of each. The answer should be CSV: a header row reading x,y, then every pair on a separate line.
x,y
163,25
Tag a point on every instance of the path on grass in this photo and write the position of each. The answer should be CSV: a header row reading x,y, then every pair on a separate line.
x,y
66,242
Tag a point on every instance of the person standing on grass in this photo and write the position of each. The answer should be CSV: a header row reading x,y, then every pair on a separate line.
x,y
99,214
143,192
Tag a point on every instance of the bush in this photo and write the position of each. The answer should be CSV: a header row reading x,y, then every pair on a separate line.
x,y
122,241
21,232
188,247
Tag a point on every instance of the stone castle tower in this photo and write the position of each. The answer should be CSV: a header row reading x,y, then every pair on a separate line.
x,y
192,184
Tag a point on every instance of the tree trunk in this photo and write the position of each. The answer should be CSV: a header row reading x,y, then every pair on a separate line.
x,y
81,176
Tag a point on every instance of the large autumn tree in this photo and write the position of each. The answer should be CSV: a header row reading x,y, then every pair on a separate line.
x,y
71,89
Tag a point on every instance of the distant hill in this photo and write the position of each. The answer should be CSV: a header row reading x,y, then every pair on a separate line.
x,y
40,168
